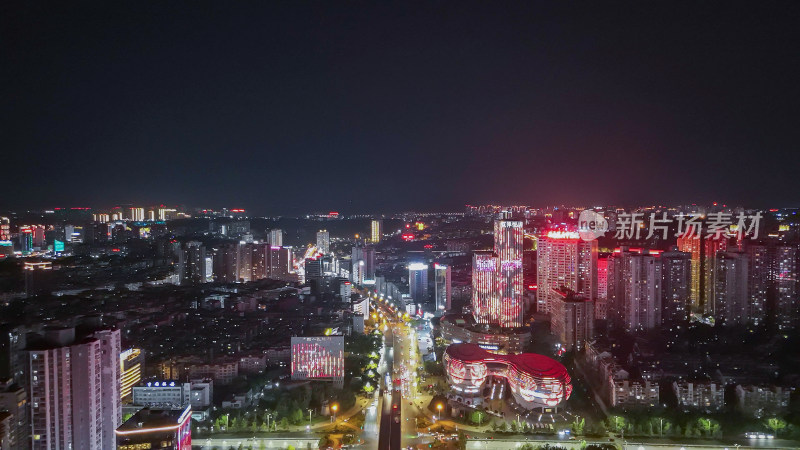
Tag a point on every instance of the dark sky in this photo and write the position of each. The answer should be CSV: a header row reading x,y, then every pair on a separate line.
x,y
289,107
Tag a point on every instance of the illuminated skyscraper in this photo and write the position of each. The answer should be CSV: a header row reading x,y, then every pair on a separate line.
x,y
443,286
692,245
5,229
377,230
565,261
26,239
324,242
485,305
418,282
508,237
601,305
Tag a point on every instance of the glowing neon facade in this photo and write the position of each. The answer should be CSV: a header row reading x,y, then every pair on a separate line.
x,y
484,287
318,358
156,428
130,362
497,278
536,381
508,238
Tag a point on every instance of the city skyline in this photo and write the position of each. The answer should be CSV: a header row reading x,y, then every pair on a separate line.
x,y
392,225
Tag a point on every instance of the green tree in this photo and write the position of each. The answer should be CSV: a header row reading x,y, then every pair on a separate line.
x,y
296,416
776,424
709,427
617,423
476,417
578,425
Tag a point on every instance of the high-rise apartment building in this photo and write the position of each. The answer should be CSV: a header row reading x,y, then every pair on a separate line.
x,y
376,231
572,320
14,401
443,286
730,304
710,268
692,245
74,398
565,261
110,377
787,303
759,280
634,288
13,360
192,263
676,275
276,237
601,304
324,242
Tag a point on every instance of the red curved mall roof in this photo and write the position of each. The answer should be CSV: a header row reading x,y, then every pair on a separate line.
x,y
531,363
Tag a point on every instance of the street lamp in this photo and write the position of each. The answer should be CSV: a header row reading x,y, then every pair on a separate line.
x,y
439,406
334,408
309,417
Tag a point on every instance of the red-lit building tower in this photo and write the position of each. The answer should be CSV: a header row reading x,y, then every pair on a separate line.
x,y
484,287
508,237
565,261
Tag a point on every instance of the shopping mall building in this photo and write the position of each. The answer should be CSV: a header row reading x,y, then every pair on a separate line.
x,y
535,381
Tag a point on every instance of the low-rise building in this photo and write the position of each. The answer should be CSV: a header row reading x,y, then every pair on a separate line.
x,y
705,396
222,372
762,401
255,363
156,428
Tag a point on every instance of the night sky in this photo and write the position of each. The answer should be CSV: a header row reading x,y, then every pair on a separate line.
x,y
292,107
